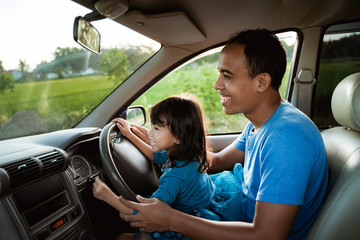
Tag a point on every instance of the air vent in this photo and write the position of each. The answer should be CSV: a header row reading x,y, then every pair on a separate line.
x,y
52,162
23,171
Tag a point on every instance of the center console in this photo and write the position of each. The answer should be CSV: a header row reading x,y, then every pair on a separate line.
x,y
48,209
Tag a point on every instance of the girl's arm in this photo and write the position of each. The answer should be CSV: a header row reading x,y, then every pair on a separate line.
x,y
103,192
141,144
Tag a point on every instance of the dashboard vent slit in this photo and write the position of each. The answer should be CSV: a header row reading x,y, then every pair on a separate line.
x,y
52,162
23,171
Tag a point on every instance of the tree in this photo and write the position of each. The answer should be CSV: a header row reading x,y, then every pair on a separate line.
x,y
137,55
7,81
115,64
68,59
24,68
63,52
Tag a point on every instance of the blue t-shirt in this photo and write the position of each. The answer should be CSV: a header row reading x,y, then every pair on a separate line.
x,y
285,163
183,187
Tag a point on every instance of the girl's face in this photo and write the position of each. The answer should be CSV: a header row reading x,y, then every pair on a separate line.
x,y
162,139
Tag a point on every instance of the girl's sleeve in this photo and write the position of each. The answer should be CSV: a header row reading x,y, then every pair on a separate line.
x,y
169,188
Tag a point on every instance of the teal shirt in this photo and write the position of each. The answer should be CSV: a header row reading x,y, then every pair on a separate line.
x,y
183,187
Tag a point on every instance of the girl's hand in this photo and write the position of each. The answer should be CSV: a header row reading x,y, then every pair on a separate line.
x,y
101,190
124,126
141,132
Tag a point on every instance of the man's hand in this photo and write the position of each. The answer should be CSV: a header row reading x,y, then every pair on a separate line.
x,y
151,215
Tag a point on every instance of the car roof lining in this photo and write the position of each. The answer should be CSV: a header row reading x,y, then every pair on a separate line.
x,y
198,19
169,23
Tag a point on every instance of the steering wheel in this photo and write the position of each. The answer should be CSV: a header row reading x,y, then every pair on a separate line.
x,y
127,168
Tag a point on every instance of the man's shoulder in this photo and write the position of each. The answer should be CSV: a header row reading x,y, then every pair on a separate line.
x,y
289,116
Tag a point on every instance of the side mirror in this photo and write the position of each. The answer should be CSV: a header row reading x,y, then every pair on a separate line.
x,y
135,115
86,35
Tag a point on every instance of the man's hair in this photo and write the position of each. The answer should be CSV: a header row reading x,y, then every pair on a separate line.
x,y
183,116
264,54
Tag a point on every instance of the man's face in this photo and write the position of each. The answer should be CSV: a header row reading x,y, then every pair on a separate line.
x,y
237,90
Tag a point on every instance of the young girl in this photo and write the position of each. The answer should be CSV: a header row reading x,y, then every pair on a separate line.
x,y
178,142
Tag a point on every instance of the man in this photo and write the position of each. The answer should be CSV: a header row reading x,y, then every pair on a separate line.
x,y
284,158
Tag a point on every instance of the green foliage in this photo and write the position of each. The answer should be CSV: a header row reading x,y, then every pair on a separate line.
x,y
67,51
68,59
7,83
346,47
115,64
137,55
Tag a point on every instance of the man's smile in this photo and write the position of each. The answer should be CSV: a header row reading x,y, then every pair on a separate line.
x,y
224,98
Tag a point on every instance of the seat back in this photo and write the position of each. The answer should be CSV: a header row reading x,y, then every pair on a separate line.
x,y
340,216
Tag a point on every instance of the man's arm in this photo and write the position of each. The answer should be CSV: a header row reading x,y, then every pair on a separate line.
x,y
271,221
226,159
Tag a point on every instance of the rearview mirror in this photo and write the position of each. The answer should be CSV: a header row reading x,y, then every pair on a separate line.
x,y
86,35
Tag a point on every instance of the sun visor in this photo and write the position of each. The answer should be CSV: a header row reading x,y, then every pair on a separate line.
x,y
173,28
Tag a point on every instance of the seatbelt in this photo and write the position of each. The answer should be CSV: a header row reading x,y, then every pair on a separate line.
x,y
303,89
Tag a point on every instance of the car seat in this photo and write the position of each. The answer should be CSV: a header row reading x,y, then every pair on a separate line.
x,y
340,216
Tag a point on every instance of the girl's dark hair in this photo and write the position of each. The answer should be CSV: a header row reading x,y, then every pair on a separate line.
x,y
183,116
264,54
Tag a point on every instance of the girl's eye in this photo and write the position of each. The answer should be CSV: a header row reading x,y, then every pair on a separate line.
x,y
156,128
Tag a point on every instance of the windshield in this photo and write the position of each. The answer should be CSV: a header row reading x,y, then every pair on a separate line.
x,y
49,82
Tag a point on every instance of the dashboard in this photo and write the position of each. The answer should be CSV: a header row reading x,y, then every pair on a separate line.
x,y
44,189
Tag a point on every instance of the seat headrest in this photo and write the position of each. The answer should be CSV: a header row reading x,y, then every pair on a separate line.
x,y
345,102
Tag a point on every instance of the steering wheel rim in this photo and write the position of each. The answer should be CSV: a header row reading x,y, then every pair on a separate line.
x,y
129,171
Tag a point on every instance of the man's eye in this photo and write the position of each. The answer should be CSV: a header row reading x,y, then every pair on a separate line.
x,y
226,76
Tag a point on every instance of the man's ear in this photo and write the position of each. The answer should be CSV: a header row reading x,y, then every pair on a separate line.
x,y
263,81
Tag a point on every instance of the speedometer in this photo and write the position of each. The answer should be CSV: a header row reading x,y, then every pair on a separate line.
x,y
80,167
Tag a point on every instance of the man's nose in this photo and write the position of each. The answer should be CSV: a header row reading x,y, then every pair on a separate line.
x,y
218,83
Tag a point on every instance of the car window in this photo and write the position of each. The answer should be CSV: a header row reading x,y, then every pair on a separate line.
x,y
340,57
47,81
198,76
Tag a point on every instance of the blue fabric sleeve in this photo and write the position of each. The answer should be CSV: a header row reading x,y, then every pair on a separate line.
x,y
169,188
240,142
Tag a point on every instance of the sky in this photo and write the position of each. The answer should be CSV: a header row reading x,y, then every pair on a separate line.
x,y
31,30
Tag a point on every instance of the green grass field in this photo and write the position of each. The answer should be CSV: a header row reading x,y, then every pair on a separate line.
x,y
68,99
